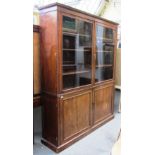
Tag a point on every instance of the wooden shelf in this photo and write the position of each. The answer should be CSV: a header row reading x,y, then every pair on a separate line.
x,y
76,33
69,30
68,62
109,65
70,65
76,72
85,35
107,51
66,65
103,51
107,43
69,49
70,33
107,39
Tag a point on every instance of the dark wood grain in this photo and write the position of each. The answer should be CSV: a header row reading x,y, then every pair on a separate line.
x,y
76,114
77,137
103,102
50,116
48,22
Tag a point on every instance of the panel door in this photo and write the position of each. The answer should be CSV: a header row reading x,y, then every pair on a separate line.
x,y
76,114
102,102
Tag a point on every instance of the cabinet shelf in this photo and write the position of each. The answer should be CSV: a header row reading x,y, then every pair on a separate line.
x,y
109,65
76,72
66,65
69,30
103,51
73,50
105,39
68,62
75,34
108,43
85,35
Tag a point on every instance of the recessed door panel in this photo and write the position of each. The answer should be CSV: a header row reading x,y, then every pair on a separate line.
x,y
70,117
76,114
103,102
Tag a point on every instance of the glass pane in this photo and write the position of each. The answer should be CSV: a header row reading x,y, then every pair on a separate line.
x,y
69,23
77,54
104,53
109,34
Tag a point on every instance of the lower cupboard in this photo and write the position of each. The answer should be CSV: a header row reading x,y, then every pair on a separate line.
x,y
74,115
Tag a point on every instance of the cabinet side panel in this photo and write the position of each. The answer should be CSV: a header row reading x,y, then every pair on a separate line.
x,y
50,123
36,64
48,21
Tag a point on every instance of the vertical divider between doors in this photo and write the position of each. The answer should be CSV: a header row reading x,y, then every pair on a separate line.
x,y
114,68
93,70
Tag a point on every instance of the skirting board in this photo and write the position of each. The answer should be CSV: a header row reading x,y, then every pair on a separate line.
x,y
60,148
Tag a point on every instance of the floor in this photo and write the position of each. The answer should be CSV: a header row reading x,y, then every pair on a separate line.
x,y
99,142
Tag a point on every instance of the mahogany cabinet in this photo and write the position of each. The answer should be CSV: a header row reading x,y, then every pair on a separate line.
x,y
78,64
36,66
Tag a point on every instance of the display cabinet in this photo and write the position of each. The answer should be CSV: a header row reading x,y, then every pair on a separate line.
x,y
78,63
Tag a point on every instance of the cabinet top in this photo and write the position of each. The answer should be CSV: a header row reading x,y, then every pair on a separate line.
x,y
73,9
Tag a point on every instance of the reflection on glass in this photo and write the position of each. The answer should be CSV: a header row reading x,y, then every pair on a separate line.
x,y
84,28
77,53
104,53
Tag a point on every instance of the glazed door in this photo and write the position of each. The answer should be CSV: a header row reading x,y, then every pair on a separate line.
x,y
104,53
76,52
75,114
